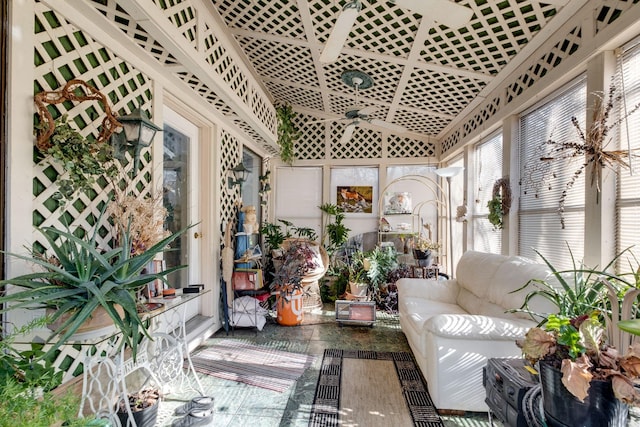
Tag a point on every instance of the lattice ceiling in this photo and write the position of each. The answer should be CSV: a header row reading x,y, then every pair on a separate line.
x,y
423,77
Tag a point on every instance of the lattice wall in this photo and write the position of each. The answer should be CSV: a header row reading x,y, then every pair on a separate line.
x,y
62,53
564,47
230,155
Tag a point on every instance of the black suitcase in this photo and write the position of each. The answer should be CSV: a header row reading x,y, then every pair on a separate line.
x,y
506,381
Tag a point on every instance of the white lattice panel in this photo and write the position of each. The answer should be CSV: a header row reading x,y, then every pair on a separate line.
x,y
398,147
311,144
231,155
126,89
364,144
303,97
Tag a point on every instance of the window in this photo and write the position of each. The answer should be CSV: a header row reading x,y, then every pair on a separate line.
x,y
298,195
488,169
251,186
628,191
544,177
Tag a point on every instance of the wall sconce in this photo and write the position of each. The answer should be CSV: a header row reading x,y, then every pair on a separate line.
x,y
138,131
240,174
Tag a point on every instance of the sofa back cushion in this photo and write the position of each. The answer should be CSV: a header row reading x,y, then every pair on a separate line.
x,y
514,274
475,272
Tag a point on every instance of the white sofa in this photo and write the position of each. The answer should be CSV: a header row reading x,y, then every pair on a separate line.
x,y
454,326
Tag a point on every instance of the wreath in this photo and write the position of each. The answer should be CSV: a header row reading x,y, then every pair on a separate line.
x,y
500,202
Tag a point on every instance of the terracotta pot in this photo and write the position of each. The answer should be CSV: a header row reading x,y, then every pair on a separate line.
x,y
290,310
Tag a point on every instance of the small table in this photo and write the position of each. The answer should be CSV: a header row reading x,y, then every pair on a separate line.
x,y
431,272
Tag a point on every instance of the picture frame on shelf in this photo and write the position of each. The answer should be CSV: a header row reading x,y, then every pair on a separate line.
x,y
397,202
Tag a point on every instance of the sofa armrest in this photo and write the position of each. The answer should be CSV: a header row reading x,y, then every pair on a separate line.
x,y
477,327
436,290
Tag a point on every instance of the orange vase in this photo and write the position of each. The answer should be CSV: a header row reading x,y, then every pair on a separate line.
x,y
289,309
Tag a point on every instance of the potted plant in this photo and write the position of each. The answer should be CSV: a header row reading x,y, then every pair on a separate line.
x,y
586,381
81,159
368,271
288,133
142,406
423,250
296,260
79,278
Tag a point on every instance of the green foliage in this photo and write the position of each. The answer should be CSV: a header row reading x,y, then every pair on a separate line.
x,y
566,335
82,160
335,233
495,212
274,235
373,267
79,277
23,406
287,133
574,291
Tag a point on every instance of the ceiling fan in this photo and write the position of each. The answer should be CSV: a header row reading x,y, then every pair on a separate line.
x,y
445,12
356,115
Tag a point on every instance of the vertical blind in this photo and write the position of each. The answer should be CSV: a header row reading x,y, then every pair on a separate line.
x,y
488,169
544,176
628,188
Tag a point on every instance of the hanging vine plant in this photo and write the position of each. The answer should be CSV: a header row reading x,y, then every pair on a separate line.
x,y
287,133
83,160
500,203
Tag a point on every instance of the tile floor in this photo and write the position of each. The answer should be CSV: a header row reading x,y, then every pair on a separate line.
x,y
240,405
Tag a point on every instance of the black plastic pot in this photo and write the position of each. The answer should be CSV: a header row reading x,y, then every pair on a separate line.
x,y
562,409
424,258
144,418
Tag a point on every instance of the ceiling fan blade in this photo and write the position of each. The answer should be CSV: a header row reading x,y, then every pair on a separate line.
x,y
368,110
391,126
445,12
348,133
340,32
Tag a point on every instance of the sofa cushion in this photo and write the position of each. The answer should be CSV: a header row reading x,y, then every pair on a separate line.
x,y
475,270
468,326
512,275
474,305
415,312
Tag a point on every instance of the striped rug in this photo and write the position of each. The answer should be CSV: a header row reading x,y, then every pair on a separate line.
x,y
251,364
373,389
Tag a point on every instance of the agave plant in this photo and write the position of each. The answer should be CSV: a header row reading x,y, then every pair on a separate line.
x,y
79,277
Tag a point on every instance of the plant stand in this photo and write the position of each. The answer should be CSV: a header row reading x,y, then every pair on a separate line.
x,y
355,312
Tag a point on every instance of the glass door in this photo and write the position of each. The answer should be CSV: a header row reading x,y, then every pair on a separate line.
x,y
180,198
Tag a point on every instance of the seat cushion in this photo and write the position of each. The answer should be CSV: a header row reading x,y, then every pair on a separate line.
x,y
474,327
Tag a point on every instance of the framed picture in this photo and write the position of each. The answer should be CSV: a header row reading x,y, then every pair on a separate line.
x,y
397,203
355,199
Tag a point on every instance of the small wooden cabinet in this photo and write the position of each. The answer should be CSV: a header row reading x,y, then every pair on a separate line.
x,y
356,312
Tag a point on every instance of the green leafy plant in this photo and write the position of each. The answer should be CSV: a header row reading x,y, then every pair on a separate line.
x,y
335,233
372,267
79,277
573,291
577,346
495,212
297,259
274,235
83,160
287,133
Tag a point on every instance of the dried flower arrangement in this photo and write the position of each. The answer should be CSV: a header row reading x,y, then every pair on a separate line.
x,y
590,148
423,244
143,217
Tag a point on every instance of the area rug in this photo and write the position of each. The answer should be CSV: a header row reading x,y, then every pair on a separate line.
x,y
251,364
374,389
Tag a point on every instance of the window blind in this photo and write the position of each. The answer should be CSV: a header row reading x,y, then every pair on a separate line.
x,y
488,169
628,188
544,176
